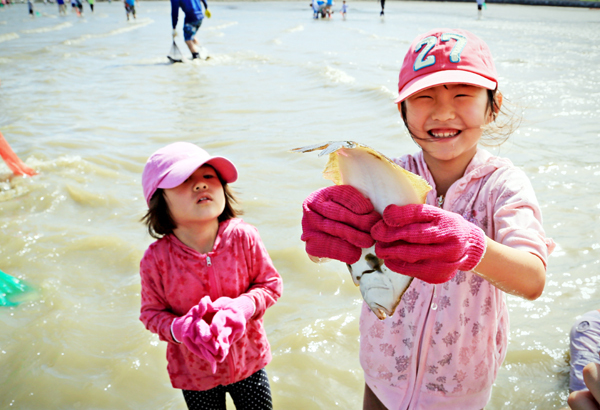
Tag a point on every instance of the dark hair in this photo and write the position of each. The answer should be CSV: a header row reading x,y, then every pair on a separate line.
x,y
505,122
159,221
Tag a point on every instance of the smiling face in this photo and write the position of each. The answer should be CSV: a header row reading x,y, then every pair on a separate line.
x,y
200,199
446,121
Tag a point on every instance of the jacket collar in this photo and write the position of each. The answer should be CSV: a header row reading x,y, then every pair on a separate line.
x,y
224,231
482,164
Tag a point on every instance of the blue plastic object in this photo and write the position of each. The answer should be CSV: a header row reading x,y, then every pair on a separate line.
x,y
10,289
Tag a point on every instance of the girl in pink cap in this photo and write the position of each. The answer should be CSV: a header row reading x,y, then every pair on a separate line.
x,y
207,280
478,236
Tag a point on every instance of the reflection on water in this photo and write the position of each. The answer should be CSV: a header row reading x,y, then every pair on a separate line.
x,y
85,101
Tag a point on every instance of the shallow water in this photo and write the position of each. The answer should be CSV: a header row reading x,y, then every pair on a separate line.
x,y
86,100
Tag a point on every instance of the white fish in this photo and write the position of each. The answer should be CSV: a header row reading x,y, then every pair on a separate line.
x,y
384,183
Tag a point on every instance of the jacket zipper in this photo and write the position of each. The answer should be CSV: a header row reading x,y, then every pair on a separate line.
x,y
231,355
216,288
434,305
426,331
440,203
422,353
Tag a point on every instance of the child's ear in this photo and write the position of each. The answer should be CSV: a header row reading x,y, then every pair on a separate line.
x,y
399,105
498,103
495,107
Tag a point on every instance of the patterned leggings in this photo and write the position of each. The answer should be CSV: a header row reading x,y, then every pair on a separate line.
x,y
252,393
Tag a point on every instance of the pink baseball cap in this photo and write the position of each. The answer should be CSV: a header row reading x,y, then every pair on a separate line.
x,y
446,56
170,166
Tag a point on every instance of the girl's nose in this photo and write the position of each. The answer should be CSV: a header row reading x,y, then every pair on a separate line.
x,y
200,185
443,112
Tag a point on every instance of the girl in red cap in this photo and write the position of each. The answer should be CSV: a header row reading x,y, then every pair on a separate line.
x,y
206,281
478,236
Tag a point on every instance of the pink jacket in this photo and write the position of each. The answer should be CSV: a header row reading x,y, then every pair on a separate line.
x,y
445,343
175,278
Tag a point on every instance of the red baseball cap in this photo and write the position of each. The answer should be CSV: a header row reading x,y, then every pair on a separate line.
x,y
446,56
170,166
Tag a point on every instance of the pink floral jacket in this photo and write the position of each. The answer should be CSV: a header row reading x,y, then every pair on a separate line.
x,y
175,278
445,343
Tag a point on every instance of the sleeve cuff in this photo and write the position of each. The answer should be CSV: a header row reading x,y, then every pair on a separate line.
x,y
173,333
246,304
478,249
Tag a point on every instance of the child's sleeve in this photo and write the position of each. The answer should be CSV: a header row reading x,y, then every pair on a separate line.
x,y
518,217
174,12
155,311
266,284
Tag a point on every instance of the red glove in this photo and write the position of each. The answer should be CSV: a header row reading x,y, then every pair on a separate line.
x,y
427,243
210,328
229,323
193,331
243,305
336,223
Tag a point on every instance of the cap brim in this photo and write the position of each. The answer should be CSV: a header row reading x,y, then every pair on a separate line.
x,y
181,171
225,168
444,77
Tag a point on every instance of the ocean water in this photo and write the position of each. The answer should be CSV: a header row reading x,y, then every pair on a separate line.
x,y
85,101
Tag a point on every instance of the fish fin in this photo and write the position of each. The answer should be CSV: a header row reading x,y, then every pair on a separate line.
x,y
332,170
333,146
326,148
310,148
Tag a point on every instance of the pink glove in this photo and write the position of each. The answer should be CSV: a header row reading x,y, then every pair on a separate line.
x,y
229,323
336,222
193,331
427,242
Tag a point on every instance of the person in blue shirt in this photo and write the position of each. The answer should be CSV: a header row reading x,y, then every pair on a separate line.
x,y
480,5
62,7
191,24
315,7
584,383
319,8
328,8
129,8
344,9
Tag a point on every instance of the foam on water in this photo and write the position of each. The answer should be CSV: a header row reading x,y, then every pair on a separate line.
x,y
337,76
8,37
138,25
221,26
47,29
296,29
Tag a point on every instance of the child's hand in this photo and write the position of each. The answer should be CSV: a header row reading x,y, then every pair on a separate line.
x,y
193,332
242,306
336,223
427,242
191,324
229,323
